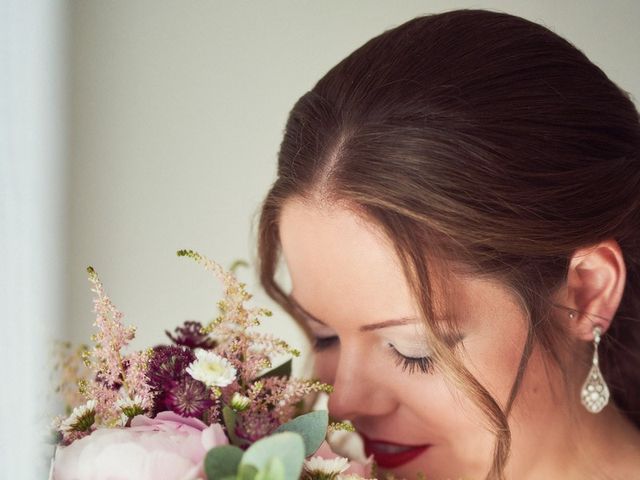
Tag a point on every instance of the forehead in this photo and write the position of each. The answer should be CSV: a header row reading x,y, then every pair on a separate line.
x,y
310,233
338,262
312,228
342,267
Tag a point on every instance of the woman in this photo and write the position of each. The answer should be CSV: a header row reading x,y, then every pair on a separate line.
x,y
458,207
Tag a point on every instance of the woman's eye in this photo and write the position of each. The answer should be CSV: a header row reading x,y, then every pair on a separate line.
x,y
413,364
322,343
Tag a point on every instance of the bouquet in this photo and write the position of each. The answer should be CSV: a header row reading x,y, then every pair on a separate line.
x,y
210,405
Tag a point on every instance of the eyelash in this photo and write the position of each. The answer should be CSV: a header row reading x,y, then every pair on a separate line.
x,y
322,343
421,364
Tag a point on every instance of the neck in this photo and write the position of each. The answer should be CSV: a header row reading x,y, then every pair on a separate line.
x,y
576,445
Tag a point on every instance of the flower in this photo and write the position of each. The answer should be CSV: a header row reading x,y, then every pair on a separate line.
x,y
360,468
240,402
212,369
190,335
189,398
130,407
326,467
79,423
167,364
175,389
149,409
166,447
111,369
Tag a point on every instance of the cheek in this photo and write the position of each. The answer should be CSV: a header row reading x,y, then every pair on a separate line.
x,y
496,369
493,358
496,334
431,410
442,411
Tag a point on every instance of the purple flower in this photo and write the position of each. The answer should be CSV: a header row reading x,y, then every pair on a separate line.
x,y
167,368
168,363
190,335
174,388
189,398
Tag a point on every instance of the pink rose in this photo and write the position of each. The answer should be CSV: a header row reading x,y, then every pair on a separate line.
x,y
362,469
168,446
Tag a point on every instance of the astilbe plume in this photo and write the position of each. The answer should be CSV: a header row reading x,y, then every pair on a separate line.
x,y
272,400
68,369
117,377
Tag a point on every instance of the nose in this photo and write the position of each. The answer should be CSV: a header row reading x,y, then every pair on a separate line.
x,y
358,389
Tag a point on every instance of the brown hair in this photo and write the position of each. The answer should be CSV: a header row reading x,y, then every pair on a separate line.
x,y
497,146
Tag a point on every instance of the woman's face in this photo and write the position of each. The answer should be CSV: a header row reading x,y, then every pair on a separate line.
x,y
368,345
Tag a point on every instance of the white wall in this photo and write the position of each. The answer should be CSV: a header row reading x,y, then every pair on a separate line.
x,y
177,114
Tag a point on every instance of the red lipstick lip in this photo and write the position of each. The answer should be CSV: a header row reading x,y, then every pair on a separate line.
x,y
391,460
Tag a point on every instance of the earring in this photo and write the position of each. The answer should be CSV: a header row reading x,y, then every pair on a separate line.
x,y
595,393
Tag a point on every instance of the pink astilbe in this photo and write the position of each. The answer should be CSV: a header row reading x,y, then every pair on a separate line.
x,y
116,376
135,379
69,368
273,400
248,350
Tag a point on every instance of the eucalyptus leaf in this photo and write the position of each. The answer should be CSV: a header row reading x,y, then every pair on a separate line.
x,y
222,461
311,426
273,471
247,472
288,447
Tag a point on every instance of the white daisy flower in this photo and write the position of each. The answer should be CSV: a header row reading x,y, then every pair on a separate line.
x,y
127,402
211,369
80,419
129,407
324,466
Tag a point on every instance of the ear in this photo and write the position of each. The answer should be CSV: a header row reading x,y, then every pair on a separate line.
x,y
595,283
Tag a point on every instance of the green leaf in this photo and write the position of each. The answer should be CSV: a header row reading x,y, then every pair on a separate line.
x,y
273,471
311,426
222,461
288,447
229,417
283,370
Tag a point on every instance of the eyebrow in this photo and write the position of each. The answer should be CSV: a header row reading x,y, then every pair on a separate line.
x,y
450,339
365,328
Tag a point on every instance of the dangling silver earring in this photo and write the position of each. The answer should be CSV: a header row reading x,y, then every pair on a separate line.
x,y
595,393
